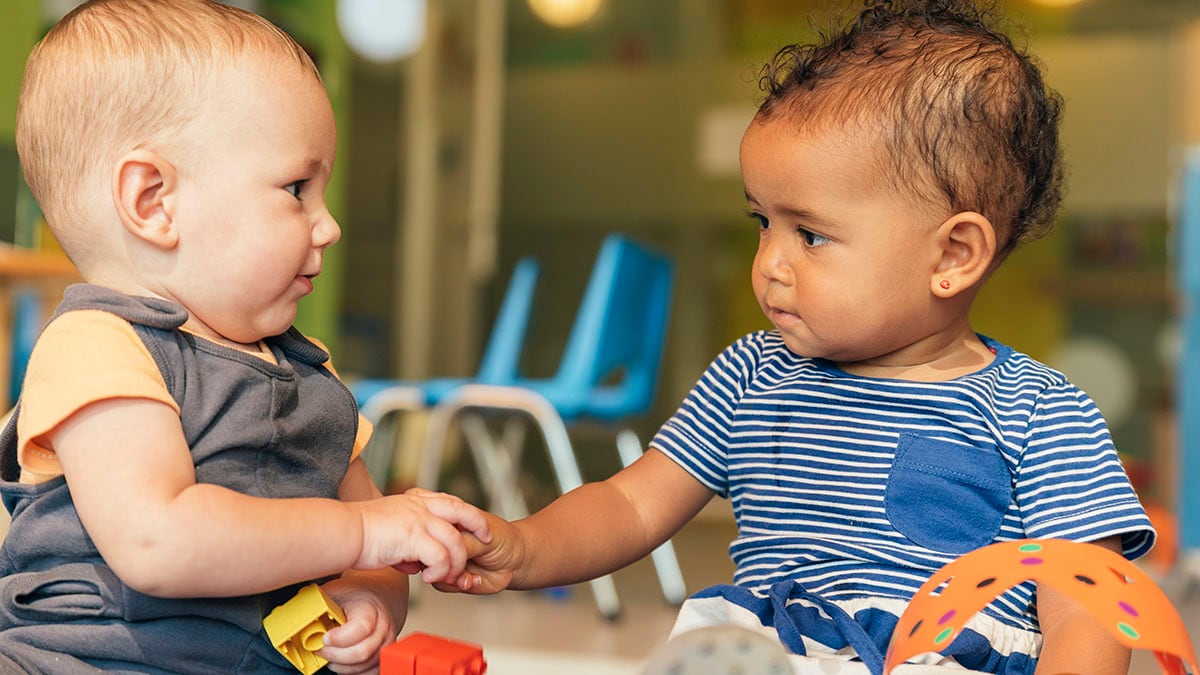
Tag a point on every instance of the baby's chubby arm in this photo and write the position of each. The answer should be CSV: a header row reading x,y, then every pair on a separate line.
x,y
131,477
591,531
1073,640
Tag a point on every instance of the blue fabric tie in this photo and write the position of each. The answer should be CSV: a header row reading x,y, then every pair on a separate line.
x,y
868,632
793,622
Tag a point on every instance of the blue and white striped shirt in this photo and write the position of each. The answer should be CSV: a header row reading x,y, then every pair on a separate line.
x,y
860,487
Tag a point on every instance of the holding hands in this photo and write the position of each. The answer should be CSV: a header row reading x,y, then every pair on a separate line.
x,y
418,532
421,532
493,563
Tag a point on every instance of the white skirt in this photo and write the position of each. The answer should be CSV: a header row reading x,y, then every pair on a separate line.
x,y
698,614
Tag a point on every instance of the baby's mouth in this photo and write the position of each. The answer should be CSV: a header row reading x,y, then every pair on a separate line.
x,y
778,313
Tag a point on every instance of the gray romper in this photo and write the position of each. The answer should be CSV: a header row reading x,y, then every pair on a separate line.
x,y
262,429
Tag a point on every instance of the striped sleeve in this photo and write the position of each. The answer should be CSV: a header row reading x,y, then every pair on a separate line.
x,y
1070,482
697,436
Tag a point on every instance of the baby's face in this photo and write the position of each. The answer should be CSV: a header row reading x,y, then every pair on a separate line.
x,y
844,258
254,223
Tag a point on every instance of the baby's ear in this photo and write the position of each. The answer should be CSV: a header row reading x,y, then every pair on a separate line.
x,y
144,191
967,243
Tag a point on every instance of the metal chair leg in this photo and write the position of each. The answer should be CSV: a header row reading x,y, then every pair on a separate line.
x,y
393,399
554,434
566,469
496,471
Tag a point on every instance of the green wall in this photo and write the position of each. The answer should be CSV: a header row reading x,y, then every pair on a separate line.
x,y
314,24
19,30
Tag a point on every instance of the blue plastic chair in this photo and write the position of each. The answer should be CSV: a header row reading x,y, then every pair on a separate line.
x,y
379,397
28,315
619,332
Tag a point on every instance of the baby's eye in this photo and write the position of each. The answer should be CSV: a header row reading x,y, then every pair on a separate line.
x,y
763,223
812,239
295,188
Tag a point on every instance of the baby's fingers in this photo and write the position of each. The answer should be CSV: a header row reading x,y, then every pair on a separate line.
x,y
454,510
465,583
348,634
442,551
474,546
351,649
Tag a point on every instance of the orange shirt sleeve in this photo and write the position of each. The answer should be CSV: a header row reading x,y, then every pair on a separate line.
x,y
81,358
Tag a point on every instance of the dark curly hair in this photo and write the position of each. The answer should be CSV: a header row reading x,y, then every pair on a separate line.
x,y
962,112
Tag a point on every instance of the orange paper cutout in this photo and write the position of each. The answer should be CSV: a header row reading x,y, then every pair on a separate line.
x,y
1115,591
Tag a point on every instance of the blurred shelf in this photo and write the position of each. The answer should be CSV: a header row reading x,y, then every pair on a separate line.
x,y
1122,287
22,263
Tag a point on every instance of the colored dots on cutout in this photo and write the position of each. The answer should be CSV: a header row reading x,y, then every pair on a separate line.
x,y
1128,630
1118,593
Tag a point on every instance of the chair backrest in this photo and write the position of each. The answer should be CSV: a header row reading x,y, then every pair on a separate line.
x,y
619,331
502,355
28,315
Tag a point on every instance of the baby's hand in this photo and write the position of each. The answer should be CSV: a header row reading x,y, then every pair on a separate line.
x,y
420,531
492,565
354,646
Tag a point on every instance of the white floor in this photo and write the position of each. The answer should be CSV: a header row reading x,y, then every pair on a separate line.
x,y
507,661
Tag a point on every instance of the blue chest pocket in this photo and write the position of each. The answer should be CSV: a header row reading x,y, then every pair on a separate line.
x,y
946,496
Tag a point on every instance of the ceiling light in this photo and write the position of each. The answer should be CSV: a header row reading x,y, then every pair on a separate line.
x,y
1057,3
564,13
382,30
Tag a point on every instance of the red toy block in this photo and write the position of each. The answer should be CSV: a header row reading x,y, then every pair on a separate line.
x,y
425,654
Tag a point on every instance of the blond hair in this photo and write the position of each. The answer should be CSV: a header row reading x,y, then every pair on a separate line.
x,y
114,75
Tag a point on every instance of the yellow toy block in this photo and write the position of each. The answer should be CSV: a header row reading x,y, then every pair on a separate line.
x,y
297,627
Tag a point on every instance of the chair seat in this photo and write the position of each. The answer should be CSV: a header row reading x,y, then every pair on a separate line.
x,y
432,391
499,362
605,404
